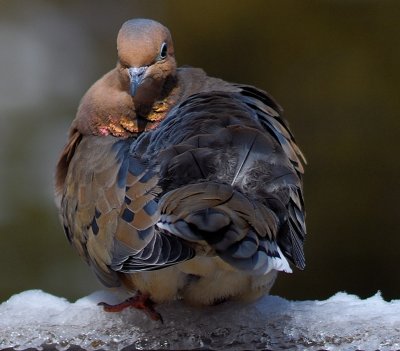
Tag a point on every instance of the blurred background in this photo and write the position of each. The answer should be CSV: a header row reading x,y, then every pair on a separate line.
x,y
332,65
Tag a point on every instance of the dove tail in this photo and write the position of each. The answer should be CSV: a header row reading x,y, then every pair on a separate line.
x,y
240,231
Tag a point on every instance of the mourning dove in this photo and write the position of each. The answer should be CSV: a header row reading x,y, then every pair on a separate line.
x,y
177,185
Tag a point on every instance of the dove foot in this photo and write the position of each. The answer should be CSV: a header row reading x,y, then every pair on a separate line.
x,y
139,301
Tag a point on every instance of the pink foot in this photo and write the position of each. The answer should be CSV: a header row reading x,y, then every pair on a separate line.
x,y
139,301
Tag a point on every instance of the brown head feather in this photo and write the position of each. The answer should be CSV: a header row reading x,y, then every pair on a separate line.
x,y
108,108
139,42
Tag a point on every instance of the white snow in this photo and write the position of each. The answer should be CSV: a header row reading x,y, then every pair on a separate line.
x,y
34,318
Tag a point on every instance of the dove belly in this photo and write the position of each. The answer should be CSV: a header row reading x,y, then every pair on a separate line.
x,y
200,281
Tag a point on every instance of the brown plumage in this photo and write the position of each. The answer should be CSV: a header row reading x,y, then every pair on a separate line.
x,y
180,185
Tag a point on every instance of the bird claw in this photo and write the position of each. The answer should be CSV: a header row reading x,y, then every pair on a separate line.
x,y
139,301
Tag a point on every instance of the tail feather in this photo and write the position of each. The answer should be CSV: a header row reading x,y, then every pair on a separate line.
x,y
240,231
202,219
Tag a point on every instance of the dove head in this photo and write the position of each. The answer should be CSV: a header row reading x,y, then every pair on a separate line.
x,y
145,56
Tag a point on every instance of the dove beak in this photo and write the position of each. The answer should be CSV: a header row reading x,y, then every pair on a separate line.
x,y
136,75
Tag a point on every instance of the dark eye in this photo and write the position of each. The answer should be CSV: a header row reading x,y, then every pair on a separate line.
x,y
163,51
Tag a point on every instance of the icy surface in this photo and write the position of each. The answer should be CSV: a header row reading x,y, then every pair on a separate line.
x,y
33,319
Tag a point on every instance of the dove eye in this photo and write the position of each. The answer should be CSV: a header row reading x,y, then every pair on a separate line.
x,y
163,51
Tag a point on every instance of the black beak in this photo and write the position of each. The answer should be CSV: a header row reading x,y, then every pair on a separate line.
x,y
136,75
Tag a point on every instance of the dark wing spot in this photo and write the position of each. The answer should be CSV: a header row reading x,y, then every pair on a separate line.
x,y
95,226
143,234
128,215
150,208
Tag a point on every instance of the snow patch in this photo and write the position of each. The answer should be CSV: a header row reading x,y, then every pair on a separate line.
x,y
33,319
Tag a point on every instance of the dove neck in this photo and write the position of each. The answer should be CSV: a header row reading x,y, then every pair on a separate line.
x,y
151,95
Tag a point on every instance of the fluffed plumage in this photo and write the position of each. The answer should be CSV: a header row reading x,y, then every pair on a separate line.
x,y
180,185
